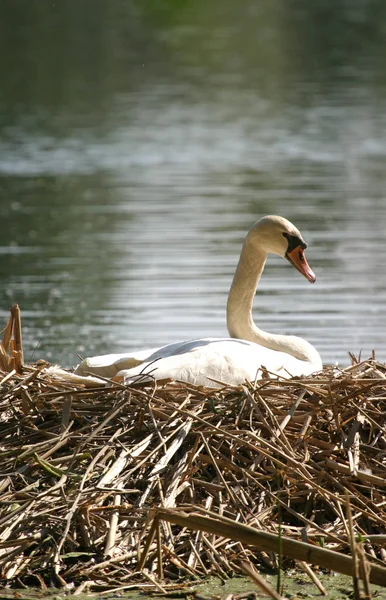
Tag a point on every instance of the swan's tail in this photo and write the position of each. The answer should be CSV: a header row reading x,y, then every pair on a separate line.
x,y
62,375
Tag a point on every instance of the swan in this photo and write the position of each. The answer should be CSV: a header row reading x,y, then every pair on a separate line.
x,y
250,352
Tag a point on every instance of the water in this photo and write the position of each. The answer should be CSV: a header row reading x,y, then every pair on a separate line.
x,y
139,142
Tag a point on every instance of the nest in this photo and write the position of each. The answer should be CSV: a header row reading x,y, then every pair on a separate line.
x,y
119,487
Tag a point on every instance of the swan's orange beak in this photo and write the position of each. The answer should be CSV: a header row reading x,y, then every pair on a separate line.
x,y
297,258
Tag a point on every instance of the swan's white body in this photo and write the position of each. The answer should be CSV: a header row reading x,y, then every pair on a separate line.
x,y
249,352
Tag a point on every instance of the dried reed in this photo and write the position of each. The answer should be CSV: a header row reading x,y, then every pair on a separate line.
x,y
118,487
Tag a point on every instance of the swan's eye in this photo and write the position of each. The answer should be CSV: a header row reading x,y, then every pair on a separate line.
x,y
294,242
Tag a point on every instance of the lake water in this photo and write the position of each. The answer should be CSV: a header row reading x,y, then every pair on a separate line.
x,y
140,141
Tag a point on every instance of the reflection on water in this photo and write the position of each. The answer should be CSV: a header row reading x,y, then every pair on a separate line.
x,y
139,145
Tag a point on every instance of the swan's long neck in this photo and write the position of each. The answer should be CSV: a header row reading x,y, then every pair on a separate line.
x,y
239,308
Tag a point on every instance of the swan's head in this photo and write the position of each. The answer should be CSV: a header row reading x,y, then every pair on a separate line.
x,y
279,236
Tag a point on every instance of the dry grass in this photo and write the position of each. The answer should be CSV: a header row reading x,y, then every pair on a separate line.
x,y
104,488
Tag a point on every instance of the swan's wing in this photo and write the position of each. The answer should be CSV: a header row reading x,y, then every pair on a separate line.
x,y
199,367
108,365
229,361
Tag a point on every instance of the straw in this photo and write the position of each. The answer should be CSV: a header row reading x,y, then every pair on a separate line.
x,y
111,488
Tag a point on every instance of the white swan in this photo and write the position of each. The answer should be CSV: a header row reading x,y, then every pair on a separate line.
x,y
250,351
